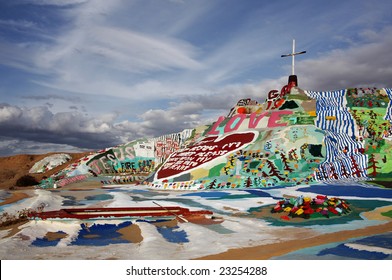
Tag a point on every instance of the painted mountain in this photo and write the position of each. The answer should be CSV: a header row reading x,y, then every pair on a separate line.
x,y
294,137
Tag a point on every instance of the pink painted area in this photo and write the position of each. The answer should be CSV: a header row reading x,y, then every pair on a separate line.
x,y
236,120
276,115
70,180
203,152
253,121
213,130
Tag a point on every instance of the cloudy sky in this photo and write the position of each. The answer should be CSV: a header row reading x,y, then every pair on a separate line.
x,y
90,74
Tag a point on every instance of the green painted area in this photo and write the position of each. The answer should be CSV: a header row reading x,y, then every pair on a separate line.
x,y
215,171
297,97
387,214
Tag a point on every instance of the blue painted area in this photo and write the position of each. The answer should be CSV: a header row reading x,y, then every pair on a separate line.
x,y
99,197
340,251
71,201
349,190
173,235
100,235
239,194
210,194
344,251
140,191
44,242
382,240
258,193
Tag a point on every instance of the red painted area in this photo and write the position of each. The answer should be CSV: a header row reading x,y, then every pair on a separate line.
x,y
136,212
241,110
204,151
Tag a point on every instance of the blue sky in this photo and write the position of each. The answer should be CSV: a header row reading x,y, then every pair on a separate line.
x,y
80,74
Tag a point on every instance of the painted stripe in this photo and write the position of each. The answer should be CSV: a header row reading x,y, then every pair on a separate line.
x,y
388,115
343,158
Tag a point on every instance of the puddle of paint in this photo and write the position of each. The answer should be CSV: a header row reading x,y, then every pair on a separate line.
x,y
101,235
99,197
345,251
173,235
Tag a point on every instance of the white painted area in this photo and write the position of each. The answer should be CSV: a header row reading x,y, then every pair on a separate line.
x,y
368,248
49,162
144,149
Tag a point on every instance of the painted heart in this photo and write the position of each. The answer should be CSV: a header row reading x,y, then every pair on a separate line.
x,y
203,152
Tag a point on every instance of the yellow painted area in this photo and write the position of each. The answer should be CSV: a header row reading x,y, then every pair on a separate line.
x,y
259,110
330,118
312,113
199,173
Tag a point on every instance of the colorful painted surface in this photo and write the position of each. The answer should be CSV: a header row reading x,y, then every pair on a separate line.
x,y
247,222
294,137
287,150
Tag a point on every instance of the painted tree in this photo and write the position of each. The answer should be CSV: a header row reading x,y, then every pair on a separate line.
x,y
293,154
373,165
323,173
355,167
232,160
285,162
302,150
333,172
212,184
264,175
248,183
345,173
274,171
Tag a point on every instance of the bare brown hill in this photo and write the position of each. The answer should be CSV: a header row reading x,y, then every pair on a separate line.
x,y
14,167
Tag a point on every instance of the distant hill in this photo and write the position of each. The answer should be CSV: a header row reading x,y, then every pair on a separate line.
x,y
14,167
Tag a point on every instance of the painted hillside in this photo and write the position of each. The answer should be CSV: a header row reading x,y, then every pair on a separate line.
x,y
294,137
